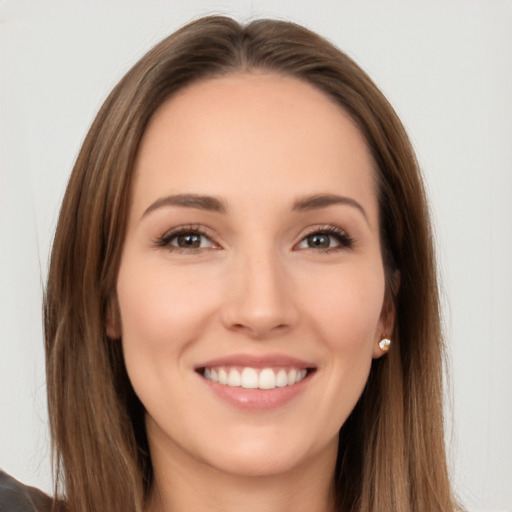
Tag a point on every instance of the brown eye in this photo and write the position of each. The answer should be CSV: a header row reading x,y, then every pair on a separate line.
x,y
187,241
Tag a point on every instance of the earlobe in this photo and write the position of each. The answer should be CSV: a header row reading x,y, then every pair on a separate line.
x,y
387,319
386,325
381,347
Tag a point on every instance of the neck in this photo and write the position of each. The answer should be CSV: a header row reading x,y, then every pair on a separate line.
x,y
182,485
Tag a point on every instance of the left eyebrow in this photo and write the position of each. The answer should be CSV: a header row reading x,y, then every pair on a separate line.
x,y
318,201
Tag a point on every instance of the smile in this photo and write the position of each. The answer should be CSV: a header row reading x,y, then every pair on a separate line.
x,y
255,378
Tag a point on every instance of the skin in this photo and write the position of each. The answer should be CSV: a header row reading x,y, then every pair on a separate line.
x,y
256,285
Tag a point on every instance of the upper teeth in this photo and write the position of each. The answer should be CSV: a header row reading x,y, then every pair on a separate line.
x,y
249,378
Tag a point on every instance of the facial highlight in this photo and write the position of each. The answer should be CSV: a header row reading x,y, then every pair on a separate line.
x,y
251,284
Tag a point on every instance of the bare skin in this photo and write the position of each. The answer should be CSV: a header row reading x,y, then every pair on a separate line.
x,y
208,490
252,249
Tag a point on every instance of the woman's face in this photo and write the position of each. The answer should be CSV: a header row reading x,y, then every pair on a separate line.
x,y
251,284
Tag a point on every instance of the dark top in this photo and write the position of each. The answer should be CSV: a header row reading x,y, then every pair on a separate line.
x,y
16,497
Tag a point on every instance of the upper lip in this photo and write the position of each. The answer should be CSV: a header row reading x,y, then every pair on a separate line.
x,y
257,361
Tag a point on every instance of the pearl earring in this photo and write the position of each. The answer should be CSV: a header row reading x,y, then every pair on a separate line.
x,y
384,344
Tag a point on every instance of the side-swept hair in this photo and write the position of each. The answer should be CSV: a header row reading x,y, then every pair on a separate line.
x,y
391,450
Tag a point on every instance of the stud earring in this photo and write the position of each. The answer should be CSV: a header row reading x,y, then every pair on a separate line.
x,y
384,344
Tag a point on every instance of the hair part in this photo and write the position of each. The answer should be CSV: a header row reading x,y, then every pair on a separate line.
x,y
391,448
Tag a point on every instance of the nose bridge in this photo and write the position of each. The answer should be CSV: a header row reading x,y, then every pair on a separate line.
x,y
259,298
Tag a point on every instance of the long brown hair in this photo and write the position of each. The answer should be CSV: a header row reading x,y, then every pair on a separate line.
x,y
391,450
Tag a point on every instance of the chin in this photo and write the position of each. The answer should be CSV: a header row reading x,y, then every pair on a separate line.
x,y
258,464
258,457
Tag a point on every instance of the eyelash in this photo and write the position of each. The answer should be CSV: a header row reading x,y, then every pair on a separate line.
x,y
344,240
165,240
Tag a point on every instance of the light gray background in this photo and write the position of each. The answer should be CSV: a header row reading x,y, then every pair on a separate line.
x,y
446,67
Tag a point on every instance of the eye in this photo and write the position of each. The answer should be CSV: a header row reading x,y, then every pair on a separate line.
x,y
185,239
326,239
190,241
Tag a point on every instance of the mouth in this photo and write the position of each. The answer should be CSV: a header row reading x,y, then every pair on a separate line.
x,y
256,382
248,377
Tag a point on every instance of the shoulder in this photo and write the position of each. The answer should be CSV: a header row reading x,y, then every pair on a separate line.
x,y
16,497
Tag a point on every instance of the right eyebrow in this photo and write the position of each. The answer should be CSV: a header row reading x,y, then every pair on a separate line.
x,y
196,201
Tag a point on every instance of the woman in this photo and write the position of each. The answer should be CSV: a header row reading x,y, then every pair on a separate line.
x,y
241,309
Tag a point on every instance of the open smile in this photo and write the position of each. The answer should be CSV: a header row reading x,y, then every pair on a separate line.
x,y
255,378
256,383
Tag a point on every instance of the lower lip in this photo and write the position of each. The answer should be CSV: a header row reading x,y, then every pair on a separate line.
x,y
257,399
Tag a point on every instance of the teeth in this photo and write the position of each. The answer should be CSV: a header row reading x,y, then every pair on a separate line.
x,y
234,378
249,378
223,376
267,379
281,379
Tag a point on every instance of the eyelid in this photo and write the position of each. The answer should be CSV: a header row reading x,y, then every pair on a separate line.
x,y
164,240
345,240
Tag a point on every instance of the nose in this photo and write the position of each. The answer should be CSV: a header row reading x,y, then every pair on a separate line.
x,y
260,300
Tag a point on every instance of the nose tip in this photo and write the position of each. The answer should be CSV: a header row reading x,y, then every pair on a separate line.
x,y
259,324
259,302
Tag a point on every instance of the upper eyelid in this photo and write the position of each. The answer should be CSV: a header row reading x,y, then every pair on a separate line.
x,y
199,229
211,234
328,228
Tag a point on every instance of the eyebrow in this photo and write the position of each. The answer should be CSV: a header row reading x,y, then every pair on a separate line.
x,y
318,201
208,203
213,204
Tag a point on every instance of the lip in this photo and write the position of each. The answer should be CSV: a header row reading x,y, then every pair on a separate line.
x,y
257,361
257,399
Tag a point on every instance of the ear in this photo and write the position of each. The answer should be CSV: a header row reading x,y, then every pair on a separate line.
x,y
386,324
113,321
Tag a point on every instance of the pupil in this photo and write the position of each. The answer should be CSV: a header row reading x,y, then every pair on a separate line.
x,y
189,240
319,241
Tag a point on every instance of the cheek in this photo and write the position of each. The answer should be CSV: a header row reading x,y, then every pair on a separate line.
x,y
159,304
346,307
343,311
161,313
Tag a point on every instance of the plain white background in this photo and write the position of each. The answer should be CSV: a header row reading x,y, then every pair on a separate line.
x,y
447,69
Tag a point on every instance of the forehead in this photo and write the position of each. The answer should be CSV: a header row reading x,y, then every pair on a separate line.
x,y
253,133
